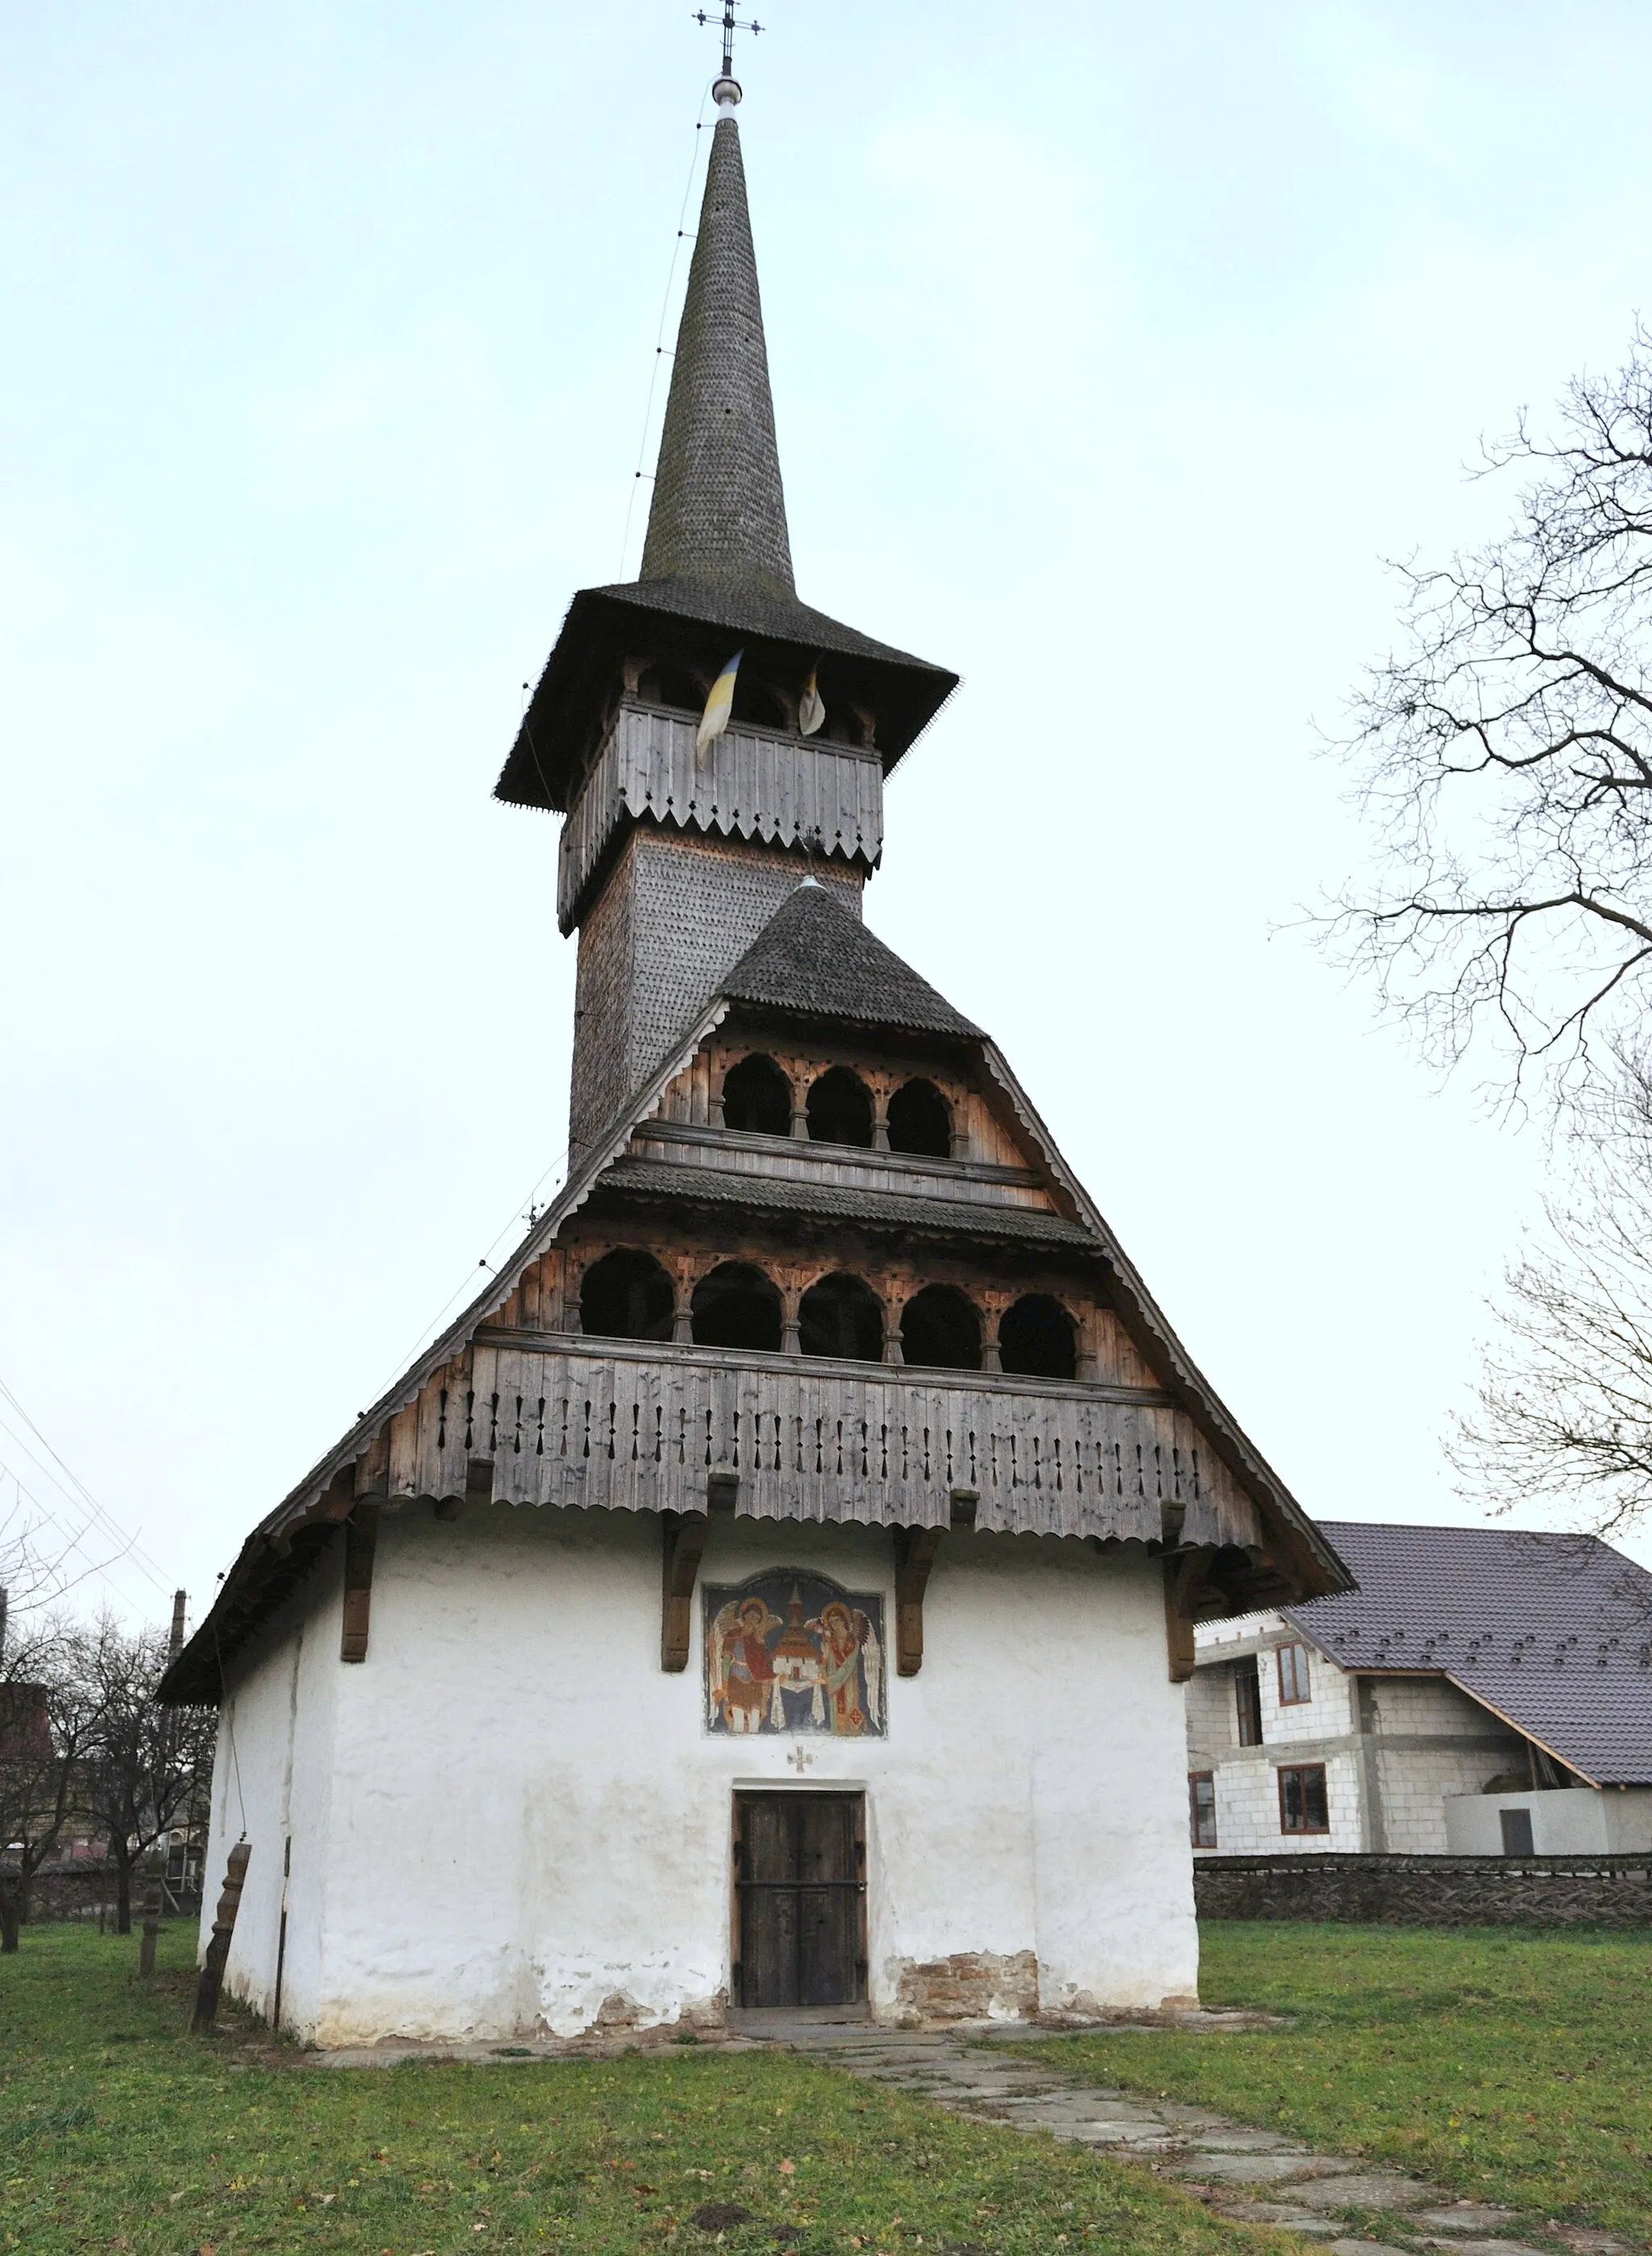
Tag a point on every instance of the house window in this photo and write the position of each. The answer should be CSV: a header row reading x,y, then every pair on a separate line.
x,y
1303,1805
1294,1688
1202,1809
1248,1700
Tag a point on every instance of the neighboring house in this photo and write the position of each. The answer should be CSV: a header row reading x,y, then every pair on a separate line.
x,y
787,1568
1485,1691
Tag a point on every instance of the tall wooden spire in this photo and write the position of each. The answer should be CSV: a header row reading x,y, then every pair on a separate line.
x,y
719,510
717,564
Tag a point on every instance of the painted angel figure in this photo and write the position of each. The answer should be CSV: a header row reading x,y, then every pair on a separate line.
x,y
848,1646
744,1686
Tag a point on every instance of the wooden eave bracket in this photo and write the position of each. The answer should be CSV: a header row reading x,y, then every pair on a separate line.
x,y
361,1535
914,1554
1185,1576
684,1534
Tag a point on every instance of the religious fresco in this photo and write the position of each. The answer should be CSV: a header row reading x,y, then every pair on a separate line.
x,y
790,1653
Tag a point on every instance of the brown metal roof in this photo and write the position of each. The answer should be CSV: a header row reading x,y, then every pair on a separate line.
x,y
1553,1632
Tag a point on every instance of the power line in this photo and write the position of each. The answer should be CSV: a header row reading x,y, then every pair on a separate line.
x,y
660,337
17,1542
77,1493
558,1169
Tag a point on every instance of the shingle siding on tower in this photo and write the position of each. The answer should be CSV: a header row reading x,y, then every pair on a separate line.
x,y
676,912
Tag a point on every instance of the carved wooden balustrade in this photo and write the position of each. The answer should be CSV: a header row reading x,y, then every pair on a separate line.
x,y
750,782
550,1417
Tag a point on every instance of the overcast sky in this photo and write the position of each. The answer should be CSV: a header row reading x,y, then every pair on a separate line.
x,y
1114,349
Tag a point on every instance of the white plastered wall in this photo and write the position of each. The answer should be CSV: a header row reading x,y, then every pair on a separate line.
x,y
273,1781
1566,1821
528,1822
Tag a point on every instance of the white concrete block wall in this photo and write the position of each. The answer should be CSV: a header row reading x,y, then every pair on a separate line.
x,y
1327,1713
1248,1808
1415,1783
1212,1728
1428,1703
1311,1730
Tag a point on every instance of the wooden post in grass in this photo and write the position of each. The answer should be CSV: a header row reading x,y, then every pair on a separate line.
x,y
153,1877
212,1966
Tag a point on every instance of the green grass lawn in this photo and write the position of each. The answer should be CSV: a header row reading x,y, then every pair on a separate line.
x,y
1512,2065
117,2133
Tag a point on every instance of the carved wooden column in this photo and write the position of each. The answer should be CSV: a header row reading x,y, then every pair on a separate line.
x,y
893,1308
799,1108
570,1295
791,1287
880,1116
682,1305
1088,1370
992,1307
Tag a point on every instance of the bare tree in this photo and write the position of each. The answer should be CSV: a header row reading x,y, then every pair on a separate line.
x,y
1563,1410
1506,758
48,1712
147,1768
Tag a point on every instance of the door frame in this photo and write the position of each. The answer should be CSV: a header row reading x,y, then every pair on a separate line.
x,y
845,1789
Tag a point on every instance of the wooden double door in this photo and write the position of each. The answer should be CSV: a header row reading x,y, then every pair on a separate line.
x,y
800,1877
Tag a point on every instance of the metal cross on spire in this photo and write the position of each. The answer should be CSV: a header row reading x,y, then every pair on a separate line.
x,y
732,24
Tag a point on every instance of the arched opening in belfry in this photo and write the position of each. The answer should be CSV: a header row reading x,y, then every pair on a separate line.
x,y
667,683
920,1121
848,724
840,1108
941,1330
757,1097
626,1295
1036,1339
758,701
737,1306
842,1315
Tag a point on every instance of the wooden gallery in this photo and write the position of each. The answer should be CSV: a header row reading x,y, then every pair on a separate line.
x,y
776,1590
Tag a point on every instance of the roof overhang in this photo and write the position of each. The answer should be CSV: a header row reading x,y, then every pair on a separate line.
x,y
701,624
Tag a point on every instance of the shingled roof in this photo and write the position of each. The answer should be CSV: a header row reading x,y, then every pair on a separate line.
x,y
719,510
887,1210
1551,1631
716,563
816,956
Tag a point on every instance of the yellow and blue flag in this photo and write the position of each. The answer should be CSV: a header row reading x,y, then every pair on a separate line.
x,y
718,705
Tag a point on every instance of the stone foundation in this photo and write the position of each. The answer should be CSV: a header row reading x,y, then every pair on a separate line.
x,y
971,1985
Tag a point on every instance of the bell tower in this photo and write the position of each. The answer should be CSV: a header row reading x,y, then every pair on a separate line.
x,y
678,845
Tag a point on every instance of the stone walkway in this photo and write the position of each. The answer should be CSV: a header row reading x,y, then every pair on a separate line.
x,y
1256,2177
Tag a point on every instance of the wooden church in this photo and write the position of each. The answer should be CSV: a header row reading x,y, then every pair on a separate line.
x,y
776,1590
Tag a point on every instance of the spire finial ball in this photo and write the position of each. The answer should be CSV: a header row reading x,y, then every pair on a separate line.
x,y
726,95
